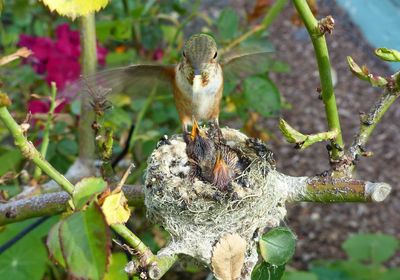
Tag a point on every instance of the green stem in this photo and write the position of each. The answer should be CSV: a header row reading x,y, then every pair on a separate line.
x,y
89,63
29,151
48,126
370,121
324,67
272,13
140,117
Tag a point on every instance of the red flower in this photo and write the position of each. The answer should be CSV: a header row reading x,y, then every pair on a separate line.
x,y
58,59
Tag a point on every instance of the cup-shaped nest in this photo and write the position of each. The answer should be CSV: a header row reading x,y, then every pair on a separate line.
x,y
183,195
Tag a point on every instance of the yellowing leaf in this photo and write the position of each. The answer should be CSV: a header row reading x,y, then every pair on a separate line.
x,y
75,8
228,257
115,209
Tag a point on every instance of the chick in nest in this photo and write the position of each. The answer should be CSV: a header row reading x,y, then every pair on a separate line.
x,y
211,160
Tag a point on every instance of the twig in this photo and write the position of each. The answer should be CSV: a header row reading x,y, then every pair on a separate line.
x,y
369,122
48,126
89,62
53,203
22,52
140,116
272,13
125,150
324,66
27,149
332,190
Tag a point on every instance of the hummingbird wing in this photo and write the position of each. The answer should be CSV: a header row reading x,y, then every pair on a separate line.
x,y
135,80
237,66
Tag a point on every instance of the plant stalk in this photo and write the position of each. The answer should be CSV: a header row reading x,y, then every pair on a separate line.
x,y
89,63
29,151
324,68
48,126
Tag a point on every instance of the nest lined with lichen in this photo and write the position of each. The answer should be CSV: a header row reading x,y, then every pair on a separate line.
x,y
197,212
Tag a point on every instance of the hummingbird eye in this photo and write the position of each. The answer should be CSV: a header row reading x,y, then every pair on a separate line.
x,y
183,53
215,55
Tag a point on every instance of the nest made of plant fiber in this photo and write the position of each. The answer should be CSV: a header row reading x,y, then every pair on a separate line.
x,y
197,213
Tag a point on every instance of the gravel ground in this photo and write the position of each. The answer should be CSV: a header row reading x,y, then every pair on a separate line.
x,y
322,228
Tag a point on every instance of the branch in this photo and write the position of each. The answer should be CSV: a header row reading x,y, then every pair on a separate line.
x,y
301,140
26,147
53,203
331,190
316,31
89,61
369,122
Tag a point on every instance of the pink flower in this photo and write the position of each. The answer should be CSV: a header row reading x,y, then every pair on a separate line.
x,y
58,59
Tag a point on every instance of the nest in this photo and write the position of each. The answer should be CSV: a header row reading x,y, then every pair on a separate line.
x,y
198,213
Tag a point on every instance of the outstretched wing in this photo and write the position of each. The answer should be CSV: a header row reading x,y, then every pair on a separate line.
x,y
237,66
135,80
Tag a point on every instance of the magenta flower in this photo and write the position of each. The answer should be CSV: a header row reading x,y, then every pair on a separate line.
x,y
58,59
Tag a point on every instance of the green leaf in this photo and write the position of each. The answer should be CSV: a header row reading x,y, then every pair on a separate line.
x,y
277,246
117,267
371,247
85,243
262,96
391,274
117,58
26,259
227,24
12,158
54,246
86,189
300,275
67,147
328,273
390,55
266,271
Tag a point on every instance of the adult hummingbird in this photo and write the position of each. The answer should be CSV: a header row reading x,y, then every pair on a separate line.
x,y
196,81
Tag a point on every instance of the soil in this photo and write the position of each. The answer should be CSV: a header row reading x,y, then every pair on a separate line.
x,y
321,228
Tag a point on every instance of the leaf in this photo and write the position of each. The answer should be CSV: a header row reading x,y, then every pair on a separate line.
x,y
266,271
75,8
54,246
388,54
26,259
262,95
228,23
299,275
277,246
85,243
86,189
328,273
115,209
12,158
117,267
371,247
67,147
228,257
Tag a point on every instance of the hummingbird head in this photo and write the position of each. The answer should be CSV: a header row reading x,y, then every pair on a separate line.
x,y
200,51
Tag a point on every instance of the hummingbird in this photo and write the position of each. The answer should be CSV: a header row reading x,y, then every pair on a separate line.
x,y
196,81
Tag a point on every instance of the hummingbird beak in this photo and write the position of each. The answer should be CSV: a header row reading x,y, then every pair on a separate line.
x,y
197,82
